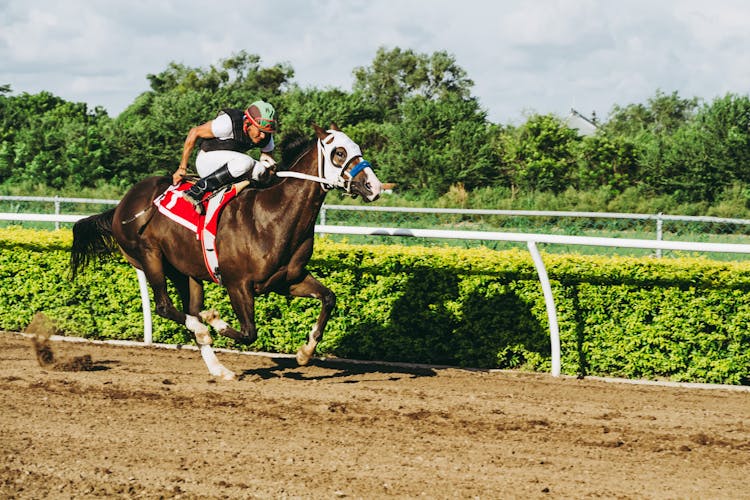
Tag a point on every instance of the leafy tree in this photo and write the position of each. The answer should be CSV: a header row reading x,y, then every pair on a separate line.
x,y
148,136
540,154
727,122
397,75
607,161
686,165
47,140
704,156
298,108
672,149
413,115
238,77
663,114
438,143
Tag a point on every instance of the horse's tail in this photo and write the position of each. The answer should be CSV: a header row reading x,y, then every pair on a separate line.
x,y
92,239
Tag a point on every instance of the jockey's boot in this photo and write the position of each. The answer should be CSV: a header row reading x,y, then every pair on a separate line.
x,y
221,177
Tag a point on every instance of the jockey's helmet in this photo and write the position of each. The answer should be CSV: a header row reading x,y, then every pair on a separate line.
x,y
262,115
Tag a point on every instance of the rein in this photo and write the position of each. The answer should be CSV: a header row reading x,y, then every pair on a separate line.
x,y
300,175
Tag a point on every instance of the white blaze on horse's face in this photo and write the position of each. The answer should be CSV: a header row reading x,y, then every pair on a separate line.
x,y
337,173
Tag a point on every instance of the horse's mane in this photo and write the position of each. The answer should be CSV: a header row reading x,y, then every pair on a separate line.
x,y
292,146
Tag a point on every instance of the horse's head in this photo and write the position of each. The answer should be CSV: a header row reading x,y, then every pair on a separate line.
x,y
340,161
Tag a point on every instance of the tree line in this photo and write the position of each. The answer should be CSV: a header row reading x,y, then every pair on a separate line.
x,y
413,114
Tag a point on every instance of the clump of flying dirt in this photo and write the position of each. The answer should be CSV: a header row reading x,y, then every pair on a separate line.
x,y
41,329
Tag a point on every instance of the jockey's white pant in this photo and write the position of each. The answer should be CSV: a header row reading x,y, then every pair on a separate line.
x,y
207,162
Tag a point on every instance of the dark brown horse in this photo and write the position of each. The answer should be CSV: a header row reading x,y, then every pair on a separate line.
x,y
264,242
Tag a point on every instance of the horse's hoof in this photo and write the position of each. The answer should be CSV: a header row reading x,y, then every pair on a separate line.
x,y
222,372
302,357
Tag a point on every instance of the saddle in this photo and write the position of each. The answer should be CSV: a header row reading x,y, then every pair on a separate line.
x,y
174,206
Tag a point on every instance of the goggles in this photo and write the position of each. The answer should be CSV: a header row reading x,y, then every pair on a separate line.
x,y
264,124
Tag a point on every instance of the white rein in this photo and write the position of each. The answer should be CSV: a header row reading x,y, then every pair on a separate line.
x,y
299,175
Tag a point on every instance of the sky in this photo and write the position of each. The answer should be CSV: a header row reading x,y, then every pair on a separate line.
x,y
524,56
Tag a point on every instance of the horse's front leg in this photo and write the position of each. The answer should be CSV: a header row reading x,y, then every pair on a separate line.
x,y
310,287
192,295
195,310
154,271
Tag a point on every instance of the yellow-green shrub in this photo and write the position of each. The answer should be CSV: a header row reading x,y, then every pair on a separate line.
x,y
685,319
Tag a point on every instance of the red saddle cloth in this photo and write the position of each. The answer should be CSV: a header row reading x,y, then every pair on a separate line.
x,y
172,204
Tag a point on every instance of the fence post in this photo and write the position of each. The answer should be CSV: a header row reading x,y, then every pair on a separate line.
x,y
549,302
57,211
659,231
146,306
322,217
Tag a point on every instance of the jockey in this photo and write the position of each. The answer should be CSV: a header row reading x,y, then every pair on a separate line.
x,y
225,140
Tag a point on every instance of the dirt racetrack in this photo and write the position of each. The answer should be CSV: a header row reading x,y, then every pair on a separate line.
x,y
134,422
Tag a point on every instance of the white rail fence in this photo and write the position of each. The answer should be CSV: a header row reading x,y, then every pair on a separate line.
x,y
57,217
531,240
659,219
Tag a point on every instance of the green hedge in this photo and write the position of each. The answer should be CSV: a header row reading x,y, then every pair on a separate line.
x,y
685,319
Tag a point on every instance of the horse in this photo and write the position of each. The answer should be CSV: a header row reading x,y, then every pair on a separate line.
x,y
264,240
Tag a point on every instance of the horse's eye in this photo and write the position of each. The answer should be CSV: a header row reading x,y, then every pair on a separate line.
x,y
341,157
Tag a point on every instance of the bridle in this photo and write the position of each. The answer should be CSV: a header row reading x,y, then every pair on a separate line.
x,y
326,147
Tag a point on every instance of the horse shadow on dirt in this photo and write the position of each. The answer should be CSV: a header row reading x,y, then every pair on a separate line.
x,y
337,369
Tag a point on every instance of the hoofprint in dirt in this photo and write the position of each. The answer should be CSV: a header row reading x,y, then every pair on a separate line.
x,y
145,422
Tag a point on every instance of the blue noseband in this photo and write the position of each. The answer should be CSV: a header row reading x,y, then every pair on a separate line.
x,y
360,167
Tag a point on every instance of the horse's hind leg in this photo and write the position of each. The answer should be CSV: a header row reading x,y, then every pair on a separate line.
x,y
310,287
154,271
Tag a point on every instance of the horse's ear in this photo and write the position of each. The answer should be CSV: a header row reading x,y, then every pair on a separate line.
x,y
335,127
319,132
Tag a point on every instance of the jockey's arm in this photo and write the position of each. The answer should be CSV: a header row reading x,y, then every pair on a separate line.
x,y
201,131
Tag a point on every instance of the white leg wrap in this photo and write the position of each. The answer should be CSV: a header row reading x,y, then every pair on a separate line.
x,y
219,325
202,336
212,318
214,367
209,356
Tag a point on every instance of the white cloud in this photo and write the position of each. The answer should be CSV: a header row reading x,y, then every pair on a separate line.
x,y
543,56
